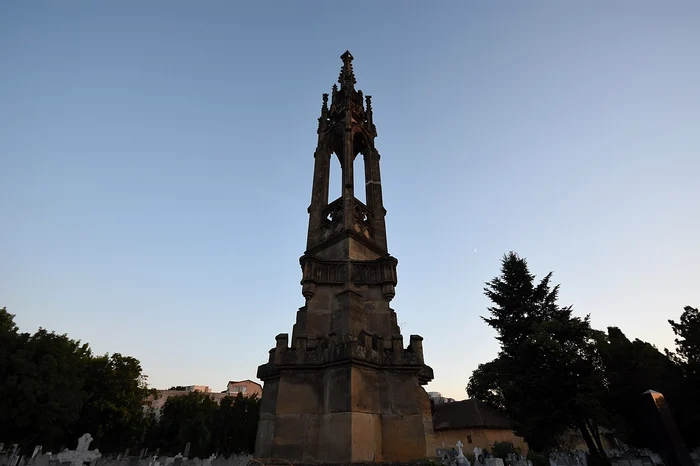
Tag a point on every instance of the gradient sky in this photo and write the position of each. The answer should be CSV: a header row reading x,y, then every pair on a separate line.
x,y
156,161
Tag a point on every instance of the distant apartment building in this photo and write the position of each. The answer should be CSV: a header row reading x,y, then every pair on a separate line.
x,y
438,399
198,388
155,403
246,387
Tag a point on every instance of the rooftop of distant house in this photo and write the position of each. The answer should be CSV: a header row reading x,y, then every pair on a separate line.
x,y
468,414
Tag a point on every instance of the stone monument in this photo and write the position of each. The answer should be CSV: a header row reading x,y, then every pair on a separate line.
x,y
662,431
344,388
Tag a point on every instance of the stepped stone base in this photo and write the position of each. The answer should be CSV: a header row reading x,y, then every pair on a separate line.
x,y
345,414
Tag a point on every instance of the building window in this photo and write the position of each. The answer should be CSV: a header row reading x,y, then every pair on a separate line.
x,y
469,439
239,389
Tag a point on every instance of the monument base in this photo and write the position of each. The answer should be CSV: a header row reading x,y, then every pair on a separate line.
x,y
345,414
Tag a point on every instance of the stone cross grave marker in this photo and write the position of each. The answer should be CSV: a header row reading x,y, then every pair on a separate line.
x,y
461,459
81,453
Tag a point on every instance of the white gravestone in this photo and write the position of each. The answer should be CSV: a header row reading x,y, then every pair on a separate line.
x,y
461,459
37,451
81,453
14,455
478,456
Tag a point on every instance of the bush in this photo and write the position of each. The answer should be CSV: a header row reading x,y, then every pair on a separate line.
x,y
597,460
538,459
502,449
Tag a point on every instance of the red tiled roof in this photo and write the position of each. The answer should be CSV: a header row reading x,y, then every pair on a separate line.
x,y
468,414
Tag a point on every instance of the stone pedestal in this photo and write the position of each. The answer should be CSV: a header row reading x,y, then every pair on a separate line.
x,y
349,412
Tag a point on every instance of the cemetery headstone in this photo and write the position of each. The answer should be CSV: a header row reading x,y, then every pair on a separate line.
x,y
446,456
81,454
41,460
208,461
178,460
493,462
662,430
187,450
461,459
479,456
14,455
582,457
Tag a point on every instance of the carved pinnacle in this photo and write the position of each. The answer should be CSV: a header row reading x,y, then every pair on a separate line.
x,y
347,76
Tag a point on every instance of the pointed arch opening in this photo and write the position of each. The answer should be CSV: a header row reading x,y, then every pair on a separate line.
x,y
360,146
359,182
335,181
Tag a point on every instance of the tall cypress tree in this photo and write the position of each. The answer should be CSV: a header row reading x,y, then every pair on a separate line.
x,y
547,376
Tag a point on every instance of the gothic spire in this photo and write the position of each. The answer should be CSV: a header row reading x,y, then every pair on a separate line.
x,y
347,76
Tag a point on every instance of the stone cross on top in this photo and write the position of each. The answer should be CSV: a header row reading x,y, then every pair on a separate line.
x,y
81,454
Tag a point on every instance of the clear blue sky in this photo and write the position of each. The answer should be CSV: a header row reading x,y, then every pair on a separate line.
x,y
157,157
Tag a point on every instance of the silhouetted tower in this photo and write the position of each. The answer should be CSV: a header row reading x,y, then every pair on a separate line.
x,y
345,389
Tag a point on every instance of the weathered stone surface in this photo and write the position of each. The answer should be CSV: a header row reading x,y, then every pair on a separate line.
x,y
345,388
266,429
405,438
289,436
300,392
364,437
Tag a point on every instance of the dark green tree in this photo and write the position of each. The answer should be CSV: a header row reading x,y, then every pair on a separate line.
x,y
187,418
687,356
227,428
548,372
236,424
688,340
41,390
113,411
632,367
52,390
